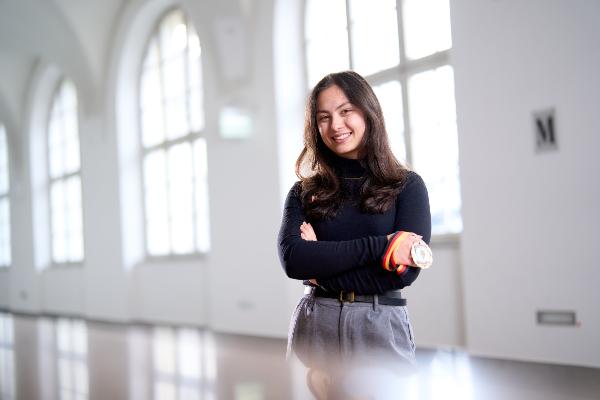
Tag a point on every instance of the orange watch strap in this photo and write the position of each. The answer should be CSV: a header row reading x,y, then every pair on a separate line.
x,y
389,253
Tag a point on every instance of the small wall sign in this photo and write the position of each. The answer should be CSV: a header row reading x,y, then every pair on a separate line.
x,y
545,130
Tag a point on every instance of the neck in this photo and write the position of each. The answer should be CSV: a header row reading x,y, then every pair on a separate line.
x,y
348,167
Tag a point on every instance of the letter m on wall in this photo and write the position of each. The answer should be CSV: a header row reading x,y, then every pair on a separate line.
x,y
544,128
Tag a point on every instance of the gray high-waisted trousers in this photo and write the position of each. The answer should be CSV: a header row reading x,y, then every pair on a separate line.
x,y
324,330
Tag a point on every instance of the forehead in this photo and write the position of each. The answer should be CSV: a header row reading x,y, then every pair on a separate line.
x,y
331,98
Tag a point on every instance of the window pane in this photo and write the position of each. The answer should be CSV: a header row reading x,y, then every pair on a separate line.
x,y
150,91
68,97
194,63
435,144
173,35
194,84
151,108
176,116
58,221
390,98
426,27
5,253
55,147
71,149
374,30
196,110
180,198
74,222
324,59
326,38
155,187
201,187
63,132
153,130
323,17
174,77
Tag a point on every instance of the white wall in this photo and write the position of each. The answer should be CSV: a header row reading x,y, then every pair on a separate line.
x,y
435,299
530,219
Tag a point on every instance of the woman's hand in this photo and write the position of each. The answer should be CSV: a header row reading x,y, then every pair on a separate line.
x,y
401,254
307,232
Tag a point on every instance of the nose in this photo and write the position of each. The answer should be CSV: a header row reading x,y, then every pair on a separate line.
x,y
337,122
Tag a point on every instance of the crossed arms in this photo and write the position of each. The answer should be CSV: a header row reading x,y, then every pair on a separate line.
x,y
352,264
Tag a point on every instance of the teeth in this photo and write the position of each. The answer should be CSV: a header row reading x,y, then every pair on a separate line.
x,y
343,136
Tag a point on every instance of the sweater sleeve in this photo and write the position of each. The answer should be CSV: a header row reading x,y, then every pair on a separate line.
x,y
412,215
303,259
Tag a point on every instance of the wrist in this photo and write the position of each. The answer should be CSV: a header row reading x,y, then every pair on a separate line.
x,y
390,261
421,255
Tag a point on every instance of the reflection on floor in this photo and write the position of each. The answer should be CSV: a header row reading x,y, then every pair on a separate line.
x,y
62,358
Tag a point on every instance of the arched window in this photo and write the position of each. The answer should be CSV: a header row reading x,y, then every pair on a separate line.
x,y
5,253
405,54
173,147
64,174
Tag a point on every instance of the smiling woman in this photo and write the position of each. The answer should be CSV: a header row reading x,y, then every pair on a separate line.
x,y
348,230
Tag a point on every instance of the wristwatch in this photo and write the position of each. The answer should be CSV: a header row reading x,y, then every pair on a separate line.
x,y
421,254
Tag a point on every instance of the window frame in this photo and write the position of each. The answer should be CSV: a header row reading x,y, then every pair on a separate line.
x,y
190,137
402,72
64,177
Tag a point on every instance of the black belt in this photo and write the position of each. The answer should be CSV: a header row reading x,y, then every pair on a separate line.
x,y
387,298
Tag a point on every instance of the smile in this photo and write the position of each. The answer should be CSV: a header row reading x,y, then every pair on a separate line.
x,y
340,138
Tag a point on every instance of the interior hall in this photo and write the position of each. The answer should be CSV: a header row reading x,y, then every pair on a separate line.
x,y
147,148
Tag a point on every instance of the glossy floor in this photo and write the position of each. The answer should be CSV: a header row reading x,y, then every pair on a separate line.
x,y
60,358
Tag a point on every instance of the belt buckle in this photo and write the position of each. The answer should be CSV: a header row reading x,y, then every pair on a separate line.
x,y
347,298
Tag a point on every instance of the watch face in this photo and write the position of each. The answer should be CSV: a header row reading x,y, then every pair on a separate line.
x,y
422,256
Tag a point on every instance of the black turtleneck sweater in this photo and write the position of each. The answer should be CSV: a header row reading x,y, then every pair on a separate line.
x,y
347,255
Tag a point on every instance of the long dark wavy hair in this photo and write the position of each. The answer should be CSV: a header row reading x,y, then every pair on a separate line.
x,y
384,177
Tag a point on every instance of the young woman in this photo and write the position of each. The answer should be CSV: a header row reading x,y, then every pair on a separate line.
x,y
354,229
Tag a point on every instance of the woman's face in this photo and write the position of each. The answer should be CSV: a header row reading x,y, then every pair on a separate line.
x,y
341,124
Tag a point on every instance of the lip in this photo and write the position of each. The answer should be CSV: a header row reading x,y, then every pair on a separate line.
x,y
341,137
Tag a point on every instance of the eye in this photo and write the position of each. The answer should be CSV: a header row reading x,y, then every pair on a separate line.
x,y
346,111
323,118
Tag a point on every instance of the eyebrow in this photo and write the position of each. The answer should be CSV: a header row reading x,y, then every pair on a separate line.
x,y
337,108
